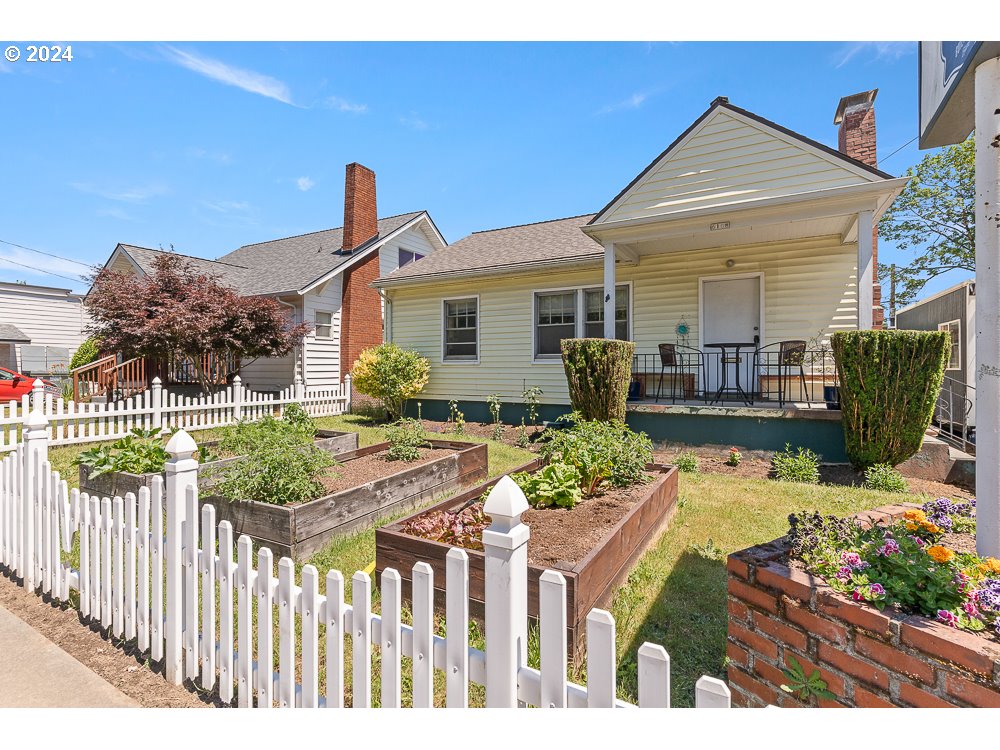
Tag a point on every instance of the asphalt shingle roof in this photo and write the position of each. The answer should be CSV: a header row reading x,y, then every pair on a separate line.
x,y
12,334
282,265
506,249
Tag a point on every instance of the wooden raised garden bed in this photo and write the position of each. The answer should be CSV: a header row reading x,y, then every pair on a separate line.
x,y
300,530
590,582
120,483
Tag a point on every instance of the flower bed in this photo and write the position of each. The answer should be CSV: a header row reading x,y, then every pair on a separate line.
x,y
875,609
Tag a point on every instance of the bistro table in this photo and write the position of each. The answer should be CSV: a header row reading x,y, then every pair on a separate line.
x,y
724,386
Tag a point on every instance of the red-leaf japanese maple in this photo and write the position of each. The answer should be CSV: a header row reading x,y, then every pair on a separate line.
x,y
178,310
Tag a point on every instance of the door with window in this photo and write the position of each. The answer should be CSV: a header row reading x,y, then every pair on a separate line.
x,y
730,314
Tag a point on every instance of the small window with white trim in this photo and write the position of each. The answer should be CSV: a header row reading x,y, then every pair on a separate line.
x,y
324,325
555,320
461,330
408,256
954,330
594,324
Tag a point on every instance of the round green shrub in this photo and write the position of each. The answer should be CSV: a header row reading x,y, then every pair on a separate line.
x,y
390,374
86,353
884,478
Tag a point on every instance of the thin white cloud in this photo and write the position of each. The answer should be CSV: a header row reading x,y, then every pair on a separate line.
x,y
221,157
633,102
343,105
134,194
248,80
226,207
114,212
873,52
14,259
414,122
305,184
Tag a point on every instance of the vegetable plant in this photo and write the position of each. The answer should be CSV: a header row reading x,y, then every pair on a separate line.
x,y
495,404
456,417
686,462
406,437
735,457
601,452
796,466
555,485
139,452
532,397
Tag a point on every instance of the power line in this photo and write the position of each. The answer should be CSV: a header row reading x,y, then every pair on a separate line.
x,y
886,158
41,270
42,252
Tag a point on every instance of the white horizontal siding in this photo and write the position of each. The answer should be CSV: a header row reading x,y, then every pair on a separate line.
x,y
809,289
728,161
413,239
48,319
322,355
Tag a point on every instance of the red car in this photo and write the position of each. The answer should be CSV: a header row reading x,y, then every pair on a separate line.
x,y
13,385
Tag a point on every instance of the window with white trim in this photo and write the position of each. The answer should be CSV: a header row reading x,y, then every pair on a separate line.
x,y
954,330
324,325
408,256
575,313
461,330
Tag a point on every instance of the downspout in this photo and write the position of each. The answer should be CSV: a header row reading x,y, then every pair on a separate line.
x,y
301,364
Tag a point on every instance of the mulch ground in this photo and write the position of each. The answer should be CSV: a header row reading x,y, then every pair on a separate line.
x,y
509,433
115,661
360,471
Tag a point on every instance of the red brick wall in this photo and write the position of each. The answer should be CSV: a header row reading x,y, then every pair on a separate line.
x,y
856,138
360,209
361,312
867,658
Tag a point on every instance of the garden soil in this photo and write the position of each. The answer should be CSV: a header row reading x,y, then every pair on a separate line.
x,y
359,471
113,660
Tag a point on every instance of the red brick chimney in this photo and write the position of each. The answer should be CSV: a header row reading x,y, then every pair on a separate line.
x,y
856,138
360,212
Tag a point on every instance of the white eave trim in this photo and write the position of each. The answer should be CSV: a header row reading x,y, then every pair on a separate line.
x,y
577,261
367,251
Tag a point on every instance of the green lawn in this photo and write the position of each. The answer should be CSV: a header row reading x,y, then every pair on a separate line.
x,y
676,595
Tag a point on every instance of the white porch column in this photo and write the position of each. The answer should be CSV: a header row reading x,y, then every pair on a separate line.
x,y
866,271
987,380
609,290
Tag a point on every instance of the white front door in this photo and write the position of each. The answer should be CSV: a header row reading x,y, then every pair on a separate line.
x,y
730,314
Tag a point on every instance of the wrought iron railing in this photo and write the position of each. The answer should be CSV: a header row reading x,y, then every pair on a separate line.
x,y
953,414
746,375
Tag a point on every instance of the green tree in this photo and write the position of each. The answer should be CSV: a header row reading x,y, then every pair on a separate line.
x,y
935,217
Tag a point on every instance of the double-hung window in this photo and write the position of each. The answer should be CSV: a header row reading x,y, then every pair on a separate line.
x,y
574,313
461,330
324,325
954,330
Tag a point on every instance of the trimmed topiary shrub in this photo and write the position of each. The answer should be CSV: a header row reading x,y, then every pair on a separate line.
x,y
889,382
598,373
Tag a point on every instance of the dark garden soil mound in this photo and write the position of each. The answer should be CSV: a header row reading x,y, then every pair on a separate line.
x,y
561,536
359,471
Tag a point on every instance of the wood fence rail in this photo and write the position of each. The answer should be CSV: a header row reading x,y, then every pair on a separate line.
x,y
155,571
72,423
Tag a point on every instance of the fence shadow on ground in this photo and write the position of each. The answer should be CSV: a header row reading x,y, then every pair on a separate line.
x,y
688,617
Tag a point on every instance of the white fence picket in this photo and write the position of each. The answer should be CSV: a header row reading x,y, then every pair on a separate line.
x,y
245,594
265,629
208,597
334,620
423,635
390,637
225,573
118,563
156,573
107,588
85,587
710,692
654,676
286,633
309,612
601,660
361,632
142,571
457,628
552,637
191,577
131,557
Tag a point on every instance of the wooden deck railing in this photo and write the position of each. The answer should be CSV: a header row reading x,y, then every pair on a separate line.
x,y
106,377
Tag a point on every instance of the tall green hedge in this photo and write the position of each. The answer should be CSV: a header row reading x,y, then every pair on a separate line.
x,y
889,382
598,372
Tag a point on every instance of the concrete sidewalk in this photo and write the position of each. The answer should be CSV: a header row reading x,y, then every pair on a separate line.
x,y
36,673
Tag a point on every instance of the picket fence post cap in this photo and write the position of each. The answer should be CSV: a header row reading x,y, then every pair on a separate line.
x,y
298,378
157,381
38,385
506,500
237,379
181,444
36,419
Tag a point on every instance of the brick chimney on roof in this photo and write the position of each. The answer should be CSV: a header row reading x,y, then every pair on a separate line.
x,y
856,138
360,211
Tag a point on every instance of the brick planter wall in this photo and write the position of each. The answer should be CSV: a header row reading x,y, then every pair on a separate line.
x,y
867,658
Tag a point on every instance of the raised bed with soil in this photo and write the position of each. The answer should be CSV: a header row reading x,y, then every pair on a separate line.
x,y
363,488
594,545
119,483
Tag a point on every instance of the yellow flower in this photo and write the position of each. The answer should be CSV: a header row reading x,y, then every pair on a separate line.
x,y
940,554
990,565
930,528
915,515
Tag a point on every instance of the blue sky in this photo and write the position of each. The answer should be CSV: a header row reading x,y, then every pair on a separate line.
x,y
211,146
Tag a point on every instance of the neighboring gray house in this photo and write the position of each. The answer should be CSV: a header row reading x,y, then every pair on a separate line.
x,y
322,277
40,328
952,310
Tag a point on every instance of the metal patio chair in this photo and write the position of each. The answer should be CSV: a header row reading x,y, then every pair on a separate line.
x,y
680,360
782,358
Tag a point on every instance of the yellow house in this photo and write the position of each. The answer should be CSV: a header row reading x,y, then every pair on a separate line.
x,y
728,261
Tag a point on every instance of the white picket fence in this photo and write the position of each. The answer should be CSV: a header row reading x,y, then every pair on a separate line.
x,y
74,423
156,570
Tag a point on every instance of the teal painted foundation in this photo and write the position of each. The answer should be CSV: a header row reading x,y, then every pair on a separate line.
x,y
823,436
